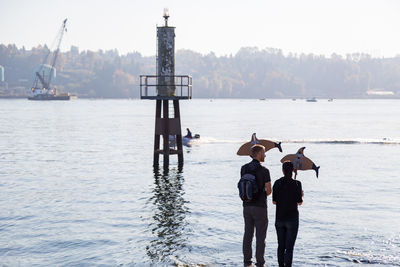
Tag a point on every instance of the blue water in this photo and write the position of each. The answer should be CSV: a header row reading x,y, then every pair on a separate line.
x,y
77,186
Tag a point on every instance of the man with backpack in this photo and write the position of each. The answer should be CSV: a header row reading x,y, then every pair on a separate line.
x,y
254,187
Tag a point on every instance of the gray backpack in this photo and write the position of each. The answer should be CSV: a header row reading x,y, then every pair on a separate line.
x,y
248,188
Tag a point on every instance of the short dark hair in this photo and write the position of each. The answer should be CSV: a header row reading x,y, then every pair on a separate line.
x,y
287,167
256,149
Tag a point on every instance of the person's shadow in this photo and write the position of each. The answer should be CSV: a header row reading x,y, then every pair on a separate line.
x,y
168,226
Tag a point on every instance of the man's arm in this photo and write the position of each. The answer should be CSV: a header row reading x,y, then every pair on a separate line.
x,y
267,181
268,188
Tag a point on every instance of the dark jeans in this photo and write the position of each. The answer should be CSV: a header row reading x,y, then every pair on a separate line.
x,y
287,233
254,217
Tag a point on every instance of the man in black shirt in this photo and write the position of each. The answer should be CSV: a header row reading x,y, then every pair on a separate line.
x,y
287,195
255,212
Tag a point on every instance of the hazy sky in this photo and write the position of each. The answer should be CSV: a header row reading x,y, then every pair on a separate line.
x,y
221,26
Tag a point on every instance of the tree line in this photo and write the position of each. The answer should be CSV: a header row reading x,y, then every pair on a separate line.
x,y
250,73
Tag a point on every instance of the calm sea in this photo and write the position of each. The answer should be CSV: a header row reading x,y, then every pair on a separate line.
x,y
77,186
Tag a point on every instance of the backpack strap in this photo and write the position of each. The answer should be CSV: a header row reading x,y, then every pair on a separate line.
x,y
246,170
254,172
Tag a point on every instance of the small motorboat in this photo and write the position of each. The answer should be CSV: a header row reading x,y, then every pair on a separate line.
x,y
186,141
313,99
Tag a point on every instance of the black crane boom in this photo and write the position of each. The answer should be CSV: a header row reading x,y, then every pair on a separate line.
x,y
44,83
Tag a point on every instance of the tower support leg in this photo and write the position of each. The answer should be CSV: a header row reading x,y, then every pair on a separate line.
x,y
157,135
166,133
177,115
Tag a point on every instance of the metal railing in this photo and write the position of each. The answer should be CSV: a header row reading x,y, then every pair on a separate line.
x,y
149,85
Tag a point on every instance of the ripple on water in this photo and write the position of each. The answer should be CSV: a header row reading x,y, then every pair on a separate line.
x,y
376,250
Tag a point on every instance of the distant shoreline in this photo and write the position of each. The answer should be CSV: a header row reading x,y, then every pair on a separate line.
x,y
12,97
221,98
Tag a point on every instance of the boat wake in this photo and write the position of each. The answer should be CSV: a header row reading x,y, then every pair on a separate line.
x,y
355,141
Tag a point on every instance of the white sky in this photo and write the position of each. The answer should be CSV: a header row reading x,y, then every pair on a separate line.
x,y
221,26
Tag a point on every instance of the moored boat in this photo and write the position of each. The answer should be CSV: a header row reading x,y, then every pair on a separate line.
x,y
51,96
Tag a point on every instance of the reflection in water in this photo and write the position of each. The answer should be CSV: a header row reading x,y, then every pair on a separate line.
x,y
168,225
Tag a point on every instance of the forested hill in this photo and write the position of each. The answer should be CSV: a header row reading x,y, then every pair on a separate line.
x,y
251,73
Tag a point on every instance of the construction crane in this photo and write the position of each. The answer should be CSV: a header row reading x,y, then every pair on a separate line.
x,y
40,74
